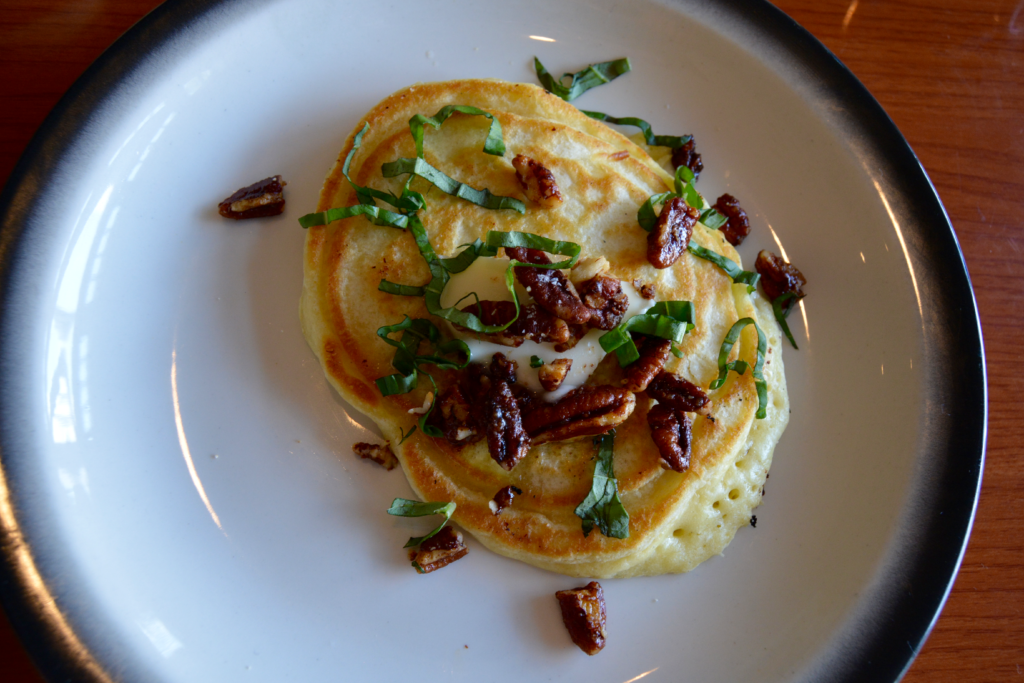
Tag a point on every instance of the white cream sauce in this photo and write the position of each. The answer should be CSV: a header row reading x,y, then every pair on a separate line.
x,y
486,277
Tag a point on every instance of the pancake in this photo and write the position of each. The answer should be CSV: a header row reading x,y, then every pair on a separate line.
x,y
676,520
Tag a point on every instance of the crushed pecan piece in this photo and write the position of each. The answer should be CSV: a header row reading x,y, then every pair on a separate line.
x,y
576,333
654,354
647,291
538,183
670,430
607,301
549,287
439,550
381,455
580,413
507,441
584,615
453,416
671,234
674,391
737,227
503,498
553,374
533,323
779,277
263,198
688,156
588,268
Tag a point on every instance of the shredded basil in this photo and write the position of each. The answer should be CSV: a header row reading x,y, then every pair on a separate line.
x,y
666,319
740,366
421,168
464,259
407,360
536,361
405,435
582,81
782,313
403,507
494,144
653,140
602,505
738,275
374,213
408,201
529,240
712,218
400,290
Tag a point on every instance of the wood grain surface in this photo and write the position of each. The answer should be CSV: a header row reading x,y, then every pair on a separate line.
x,y
951,75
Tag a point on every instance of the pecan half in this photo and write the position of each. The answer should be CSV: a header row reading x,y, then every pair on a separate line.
x,y
607,301
453,416
553,374
503,369
671,234
674,391
538,183
688,156
584,616
507,441
440,550
381,455
654,354
263,198
503,498
549,287
670,430
533,323
583,412
779,277
737,227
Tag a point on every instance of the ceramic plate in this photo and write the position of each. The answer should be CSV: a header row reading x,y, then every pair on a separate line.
x,y
180,498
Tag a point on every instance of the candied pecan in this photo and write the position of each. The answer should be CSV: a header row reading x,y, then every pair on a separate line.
x,y
507,441
538,183
453,416
503,369
688,156
533,323
381,455
439,550
654,354
670,430
576,333
549,287
503,498
607,301
671,234
553,374
672,390
263,198
584,615
737,227
582,412
779,277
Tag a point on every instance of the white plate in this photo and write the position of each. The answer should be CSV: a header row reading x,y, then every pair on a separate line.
x,y
181,472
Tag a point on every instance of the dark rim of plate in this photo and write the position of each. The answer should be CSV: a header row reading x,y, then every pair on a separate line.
x,y
882,644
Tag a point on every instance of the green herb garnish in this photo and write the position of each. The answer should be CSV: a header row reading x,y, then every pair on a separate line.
x,y
494,144
740,366
529,240
738,275
403,507
421,168
582,81
407,360
666,319
602,505
653,140
782,313
536,361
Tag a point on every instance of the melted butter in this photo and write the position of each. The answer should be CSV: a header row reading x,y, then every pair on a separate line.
x,y
486,277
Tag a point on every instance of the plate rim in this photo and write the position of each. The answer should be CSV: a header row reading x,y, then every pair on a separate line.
x,y
906,616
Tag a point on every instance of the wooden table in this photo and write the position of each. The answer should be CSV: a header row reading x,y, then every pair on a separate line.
x,y
951,75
